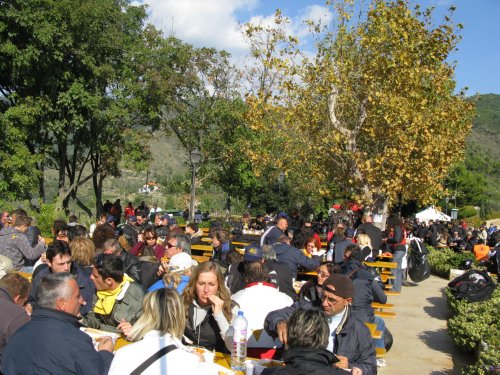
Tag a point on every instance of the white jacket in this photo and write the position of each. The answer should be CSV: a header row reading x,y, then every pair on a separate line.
x,y
256,301
177,362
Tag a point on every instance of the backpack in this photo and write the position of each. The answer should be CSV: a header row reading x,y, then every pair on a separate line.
x,y
473,286
418,264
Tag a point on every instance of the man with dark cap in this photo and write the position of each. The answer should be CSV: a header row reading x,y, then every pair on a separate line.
x,y
350,340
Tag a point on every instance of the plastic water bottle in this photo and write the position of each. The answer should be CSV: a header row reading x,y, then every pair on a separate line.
x,y
329,254
239,352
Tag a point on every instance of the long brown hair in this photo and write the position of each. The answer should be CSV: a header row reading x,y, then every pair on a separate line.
x,y
189,294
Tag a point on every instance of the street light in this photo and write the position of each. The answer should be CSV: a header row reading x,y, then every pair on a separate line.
x,y
281,177
195,161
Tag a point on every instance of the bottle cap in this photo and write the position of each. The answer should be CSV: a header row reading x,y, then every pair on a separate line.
x,y
240,313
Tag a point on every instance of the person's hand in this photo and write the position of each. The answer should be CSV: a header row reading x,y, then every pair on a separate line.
x,y
41,239
342,363
163,268
281,331
357,371
105,343
28,308
43,257
217,304
125,327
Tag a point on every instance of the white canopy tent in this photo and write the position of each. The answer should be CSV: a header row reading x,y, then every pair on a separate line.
x,y
430,213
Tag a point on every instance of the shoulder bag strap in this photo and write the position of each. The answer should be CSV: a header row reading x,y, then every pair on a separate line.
x,y
148,362
351,274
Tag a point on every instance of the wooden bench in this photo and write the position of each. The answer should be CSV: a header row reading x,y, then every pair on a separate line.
x,y
382,265
206,239
200,258
380,352
240,243
202,247
385,314
373,330
391,293
382,306
384,277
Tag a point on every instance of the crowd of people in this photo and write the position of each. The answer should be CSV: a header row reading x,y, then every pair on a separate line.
x,y
138,279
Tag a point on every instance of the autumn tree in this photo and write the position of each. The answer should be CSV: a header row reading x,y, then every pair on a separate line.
x,y
372,113
67,83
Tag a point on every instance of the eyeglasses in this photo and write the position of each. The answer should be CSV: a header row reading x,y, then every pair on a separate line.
x,y
330,300
150,238
170,245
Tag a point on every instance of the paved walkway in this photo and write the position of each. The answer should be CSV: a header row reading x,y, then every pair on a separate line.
x,y
421,341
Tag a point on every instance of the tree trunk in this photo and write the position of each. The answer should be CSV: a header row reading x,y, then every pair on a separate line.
x,y
380,211
41,184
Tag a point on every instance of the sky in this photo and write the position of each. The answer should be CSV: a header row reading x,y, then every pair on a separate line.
x,y
215,23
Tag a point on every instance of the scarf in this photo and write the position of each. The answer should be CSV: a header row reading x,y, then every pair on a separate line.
x,y
106,298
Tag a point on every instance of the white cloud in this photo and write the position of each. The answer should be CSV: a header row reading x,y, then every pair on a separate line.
x,y
203,23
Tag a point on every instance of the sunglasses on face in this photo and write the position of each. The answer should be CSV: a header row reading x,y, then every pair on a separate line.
x,y
170,245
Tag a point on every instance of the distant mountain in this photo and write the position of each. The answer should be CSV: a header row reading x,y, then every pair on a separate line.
x,y
483,146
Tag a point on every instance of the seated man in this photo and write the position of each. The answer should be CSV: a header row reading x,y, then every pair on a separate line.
x,y
13,295
118,303
279,273
258,288
350,340
293,257
15,245
52,343
306,353
59,260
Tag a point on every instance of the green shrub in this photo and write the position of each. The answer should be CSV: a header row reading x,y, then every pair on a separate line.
x,y
467,211
45,218
476,326
442,260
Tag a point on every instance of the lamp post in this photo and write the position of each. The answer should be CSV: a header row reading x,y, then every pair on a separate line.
x,y
281,178
447,200
195,161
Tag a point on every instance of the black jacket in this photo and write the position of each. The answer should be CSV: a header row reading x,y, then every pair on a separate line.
x,y
293,258
353,339
306,361
207,334
366,290
52,343
373,232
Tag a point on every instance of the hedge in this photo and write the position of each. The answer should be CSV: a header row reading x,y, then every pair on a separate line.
x,y
475,326
442,260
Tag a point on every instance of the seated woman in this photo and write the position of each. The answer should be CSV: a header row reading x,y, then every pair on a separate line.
x,y
365,244
208,308
147,246
178,273
312,290
160,326
306,353
312,247
221,241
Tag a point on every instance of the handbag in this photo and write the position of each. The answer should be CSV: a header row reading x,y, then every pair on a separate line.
x,y
148,362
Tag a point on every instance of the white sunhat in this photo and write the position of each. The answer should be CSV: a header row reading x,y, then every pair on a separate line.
x,y
180,262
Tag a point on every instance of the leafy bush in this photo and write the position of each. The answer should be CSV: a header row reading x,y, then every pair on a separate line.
x,y
45,218
475,326
441,261
467,211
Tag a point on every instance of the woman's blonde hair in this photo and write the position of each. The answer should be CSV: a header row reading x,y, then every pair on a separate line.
x,y
164,312
189,294
82,251
173,279
364,240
